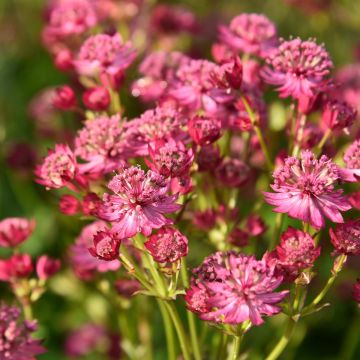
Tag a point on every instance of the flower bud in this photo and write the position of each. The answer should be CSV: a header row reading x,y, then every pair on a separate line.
x,y
97,98
46,267
69,205
64,98
106,246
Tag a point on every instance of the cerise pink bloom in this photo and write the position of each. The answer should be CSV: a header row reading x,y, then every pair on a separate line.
x,y
139,203
346,237
252,34
64,98
338,115
14,231
58,168
305,190
106,245
16,342
46,267
17,266
238,288
299,68
351,173
204,130
69,204
167,245
97,98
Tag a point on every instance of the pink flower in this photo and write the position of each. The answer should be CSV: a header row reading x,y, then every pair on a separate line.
x,y
161,123
14,231
69,204
352,161
346,237
85,265
96,98
170,158
298,67
70,17
204,130
354,200
356,291
251,34
240,289
305,190
139,203
105,245
17,266
296,252
64,98
208,158
255,225
168,245
159,73
338,115
101,144
105,55
46,267
58,168
90,204
196,298
229,75
238,237
16,342
233,172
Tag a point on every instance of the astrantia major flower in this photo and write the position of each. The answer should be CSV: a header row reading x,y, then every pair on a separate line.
x,y
100,143
58,168
240,289
299,68
106,245
352,161
139,202
14,231
305,190
346,237
252,34
338,115
16,342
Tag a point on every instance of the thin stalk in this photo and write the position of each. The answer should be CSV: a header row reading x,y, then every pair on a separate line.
x,y
299,137
258,132
236,348
284,340
26,305
179,329
222,346
323,140
279,221
169,333
190,316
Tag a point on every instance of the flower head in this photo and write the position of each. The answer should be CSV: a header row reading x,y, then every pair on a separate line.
x,y
346,237
69,204
105,245
139,203
17,266
64,98
204,130
58,168
196,298
104,54
352,161
305,190
14,231
101,143
96,98
168,245
16,342
47,267
240,288
252,34
296,252
338,115
298,67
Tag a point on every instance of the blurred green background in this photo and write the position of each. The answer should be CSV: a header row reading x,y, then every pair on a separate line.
x,y
26,68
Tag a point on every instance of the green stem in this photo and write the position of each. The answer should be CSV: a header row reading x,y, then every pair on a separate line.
x,y
190,316
258,132
179,329
169,333
284,340
279,221
236,348
26,305
323,140
299,137
222,346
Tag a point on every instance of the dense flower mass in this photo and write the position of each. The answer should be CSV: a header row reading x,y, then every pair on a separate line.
x,y
305,189
299,68
252,34
16,342
238,288
139,203
14,231
346,237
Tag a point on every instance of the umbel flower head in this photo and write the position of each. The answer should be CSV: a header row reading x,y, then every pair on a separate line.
x,y
106,245
298,68
252,34
235,288
14,231
297,251
58,168
16,342
305,190
139,203
346,237
167,245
